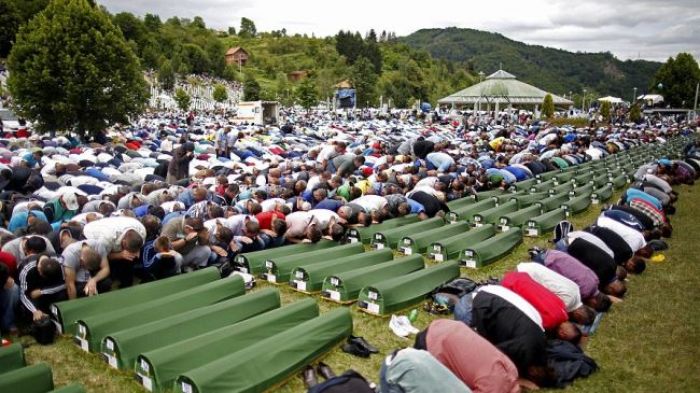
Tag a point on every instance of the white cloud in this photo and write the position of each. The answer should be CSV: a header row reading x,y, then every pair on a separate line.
x,y
651,29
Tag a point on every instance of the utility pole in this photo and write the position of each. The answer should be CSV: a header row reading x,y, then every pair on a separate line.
x,y
697,89
634,96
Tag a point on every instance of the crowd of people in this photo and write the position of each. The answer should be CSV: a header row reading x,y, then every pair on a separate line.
x,y
175,192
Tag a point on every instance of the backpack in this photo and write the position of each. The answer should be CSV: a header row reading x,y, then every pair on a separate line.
x,y
562,230
350,382
446,297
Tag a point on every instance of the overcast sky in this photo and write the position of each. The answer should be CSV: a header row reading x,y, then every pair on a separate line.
x,y
630,29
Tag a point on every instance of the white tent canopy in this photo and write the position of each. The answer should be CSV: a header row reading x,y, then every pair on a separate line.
x,y
653,98
612,100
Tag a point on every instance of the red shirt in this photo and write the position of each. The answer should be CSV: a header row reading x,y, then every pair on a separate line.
x,y
550,306
265,218
9,261
474,360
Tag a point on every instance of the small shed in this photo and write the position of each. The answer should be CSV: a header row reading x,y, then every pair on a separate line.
x,y
237,56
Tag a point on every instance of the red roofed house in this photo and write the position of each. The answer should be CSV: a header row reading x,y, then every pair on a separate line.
x,y
236,55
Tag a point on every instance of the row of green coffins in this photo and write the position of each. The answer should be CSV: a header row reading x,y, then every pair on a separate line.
x,y
17,376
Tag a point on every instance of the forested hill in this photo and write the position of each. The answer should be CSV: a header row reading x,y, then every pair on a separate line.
x,y
552,69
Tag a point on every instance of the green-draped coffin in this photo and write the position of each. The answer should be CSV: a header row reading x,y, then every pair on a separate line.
x,y
544,223
492,215
561,188
390,237
398,293
585,189
450,248
68,312
544,186
600,180
602,194
518,218
583,178
489,250
484,195
30,379
158,369
564,177
309,278
11,358
527,200
279,269
466,213
254,262
262,365
619,181
506,197
554,201
546,176
525,185
121,348
417,243
93,329
364,234
577,204
345,287
74,388
461,202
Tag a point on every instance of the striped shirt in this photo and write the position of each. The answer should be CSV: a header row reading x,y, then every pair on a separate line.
x,y
30,280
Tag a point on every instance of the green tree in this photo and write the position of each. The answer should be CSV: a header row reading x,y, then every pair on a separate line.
x,y
635,113
605,110
676,80
548,107
231,73
182,99
196,58
364,79
10,20
307,94
87,80
166,75
152,22
251,89
231,30
247,29
219,94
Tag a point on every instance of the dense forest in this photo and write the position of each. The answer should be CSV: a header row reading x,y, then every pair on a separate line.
x,y
552,69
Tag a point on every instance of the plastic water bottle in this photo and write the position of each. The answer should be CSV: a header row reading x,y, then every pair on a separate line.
x,y
413,315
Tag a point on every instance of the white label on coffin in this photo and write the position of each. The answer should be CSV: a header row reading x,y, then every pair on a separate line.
x,y
301,285
111,360
268,264
299,275
470,263
406,242
406,250
504,228
335,295
109,344
81,330
186,387
147,383
373,308
532,232
353,240
378,237
379,246
372,295
84,344
334,281
595,201
438,257
271,277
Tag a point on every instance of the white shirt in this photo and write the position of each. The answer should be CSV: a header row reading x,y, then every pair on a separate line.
x,y
567,290
324,217
112,230
514,299
370,202
82,217
632,237
268,205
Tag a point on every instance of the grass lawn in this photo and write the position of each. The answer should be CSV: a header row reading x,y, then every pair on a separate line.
x,y
648,343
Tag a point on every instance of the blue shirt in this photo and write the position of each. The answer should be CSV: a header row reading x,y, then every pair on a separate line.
x,y
329,204
632,193
19,220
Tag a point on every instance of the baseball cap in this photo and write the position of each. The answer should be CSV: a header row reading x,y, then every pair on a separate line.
x,y
71,201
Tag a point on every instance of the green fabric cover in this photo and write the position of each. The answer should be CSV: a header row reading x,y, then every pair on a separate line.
x,y
160,367
450,248
345,287
527,200
547,175
484,195
279,269
525,184
254,262
309,278
398,293
489,250
602,194
127,344
97,327
390,237
543,186
544,223
619,181
492,215
577,204
564,177
565,187
583,178
506,197
519,217
586,189
11,358
466,213
554,201
74,388
418,242
262,365
461,202
364,234
600,180
30,379
68,312
559,162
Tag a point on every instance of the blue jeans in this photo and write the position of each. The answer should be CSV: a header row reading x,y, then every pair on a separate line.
x,y
463,309
384,385
9,298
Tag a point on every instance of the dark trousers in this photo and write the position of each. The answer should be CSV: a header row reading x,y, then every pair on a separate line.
x,y
122,270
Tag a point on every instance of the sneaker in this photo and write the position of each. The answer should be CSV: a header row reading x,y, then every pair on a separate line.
x,y
406,324
397,327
